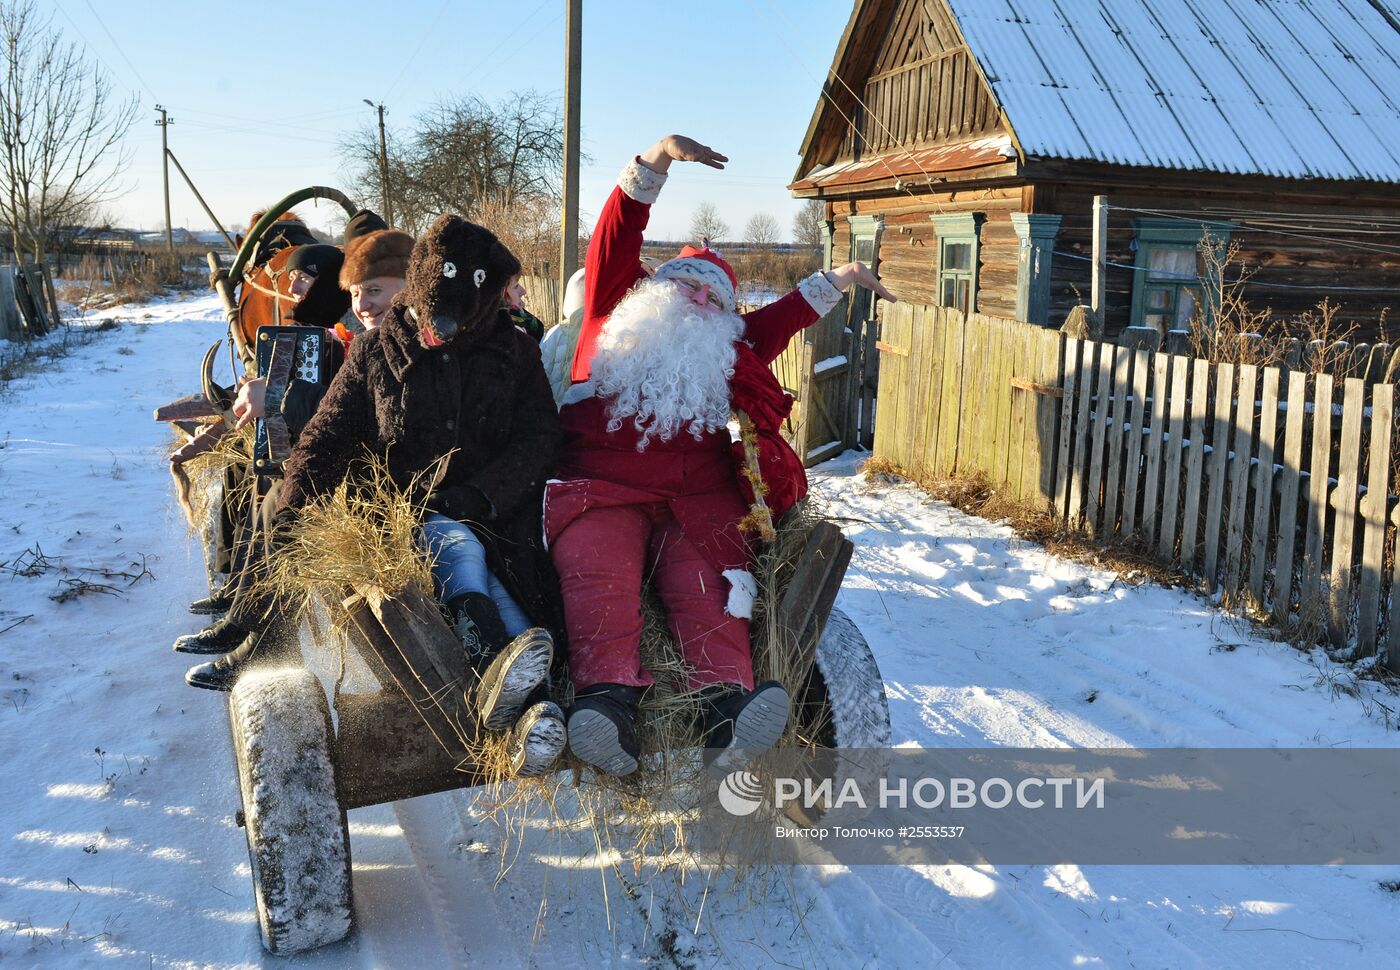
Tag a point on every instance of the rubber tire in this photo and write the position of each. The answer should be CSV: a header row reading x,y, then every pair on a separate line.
x,y
844,706
298,837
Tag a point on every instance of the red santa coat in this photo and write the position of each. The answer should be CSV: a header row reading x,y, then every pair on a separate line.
x,y
697,479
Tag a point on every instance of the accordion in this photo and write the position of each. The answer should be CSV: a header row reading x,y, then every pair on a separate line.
x,y
285,354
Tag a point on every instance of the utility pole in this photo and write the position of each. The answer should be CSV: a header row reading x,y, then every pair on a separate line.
x,y
164,123
1100,261
573,63
383,165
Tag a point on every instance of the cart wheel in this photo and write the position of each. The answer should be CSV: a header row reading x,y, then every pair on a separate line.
x,y
844,706
298,840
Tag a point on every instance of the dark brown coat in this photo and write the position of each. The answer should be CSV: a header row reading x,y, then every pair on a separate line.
x,y
485,394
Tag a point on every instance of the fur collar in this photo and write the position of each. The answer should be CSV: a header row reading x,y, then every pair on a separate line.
x,y
402,348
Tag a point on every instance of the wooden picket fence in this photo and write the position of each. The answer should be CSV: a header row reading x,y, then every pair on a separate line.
x,y
1269,486
542,297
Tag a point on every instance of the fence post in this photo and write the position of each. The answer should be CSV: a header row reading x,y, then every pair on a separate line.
x,y
9,310
1100,260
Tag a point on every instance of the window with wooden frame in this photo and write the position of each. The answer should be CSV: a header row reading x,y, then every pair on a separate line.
x,y
959,254
1168,288
865,248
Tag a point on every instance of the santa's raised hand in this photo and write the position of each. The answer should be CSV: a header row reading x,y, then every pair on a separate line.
x,y
843,276
679,148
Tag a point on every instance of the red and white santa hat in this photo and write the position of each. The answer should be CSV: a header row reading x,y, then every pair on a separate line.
x,y
702,266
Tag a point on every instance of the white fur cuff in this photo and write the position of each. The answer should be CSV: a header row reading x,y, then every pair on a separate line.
x,y
640,183
743,590
819,293
578,392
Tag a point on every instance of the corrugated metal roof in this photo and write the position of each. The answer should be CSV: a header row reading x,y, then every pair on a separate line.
x,y
1291,88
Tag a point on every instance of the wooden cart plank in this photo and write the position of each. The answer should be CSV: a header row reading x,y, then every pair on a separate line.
x,y
449,733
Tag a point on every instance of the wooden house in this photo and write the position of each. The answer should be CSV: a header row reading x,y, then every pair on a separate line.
x,y
961,143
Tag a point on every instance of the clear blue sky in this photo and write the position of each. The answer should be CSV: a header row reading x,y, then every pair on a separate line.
x,y
261,93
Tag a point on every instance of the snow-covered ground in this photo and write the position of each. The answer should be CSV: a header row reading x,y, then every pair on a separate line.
x,y
117,841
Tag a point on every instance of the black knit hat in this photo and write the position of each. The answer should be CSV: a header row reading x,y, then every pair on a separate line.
x,y
325,302
363,223
317,260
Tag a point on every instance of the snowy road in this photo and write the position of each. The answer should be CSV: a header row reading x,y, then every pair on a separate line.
x,y
118,849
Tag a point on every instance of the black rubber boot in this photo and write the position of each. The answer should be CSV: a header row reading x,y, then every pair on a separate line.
x,y
272,647
740,720
215,604
221,637
221,672
477,623
603,727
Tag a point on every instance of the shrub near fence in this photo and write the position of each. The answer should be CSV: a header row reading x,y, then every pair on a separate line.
x,y
1268,486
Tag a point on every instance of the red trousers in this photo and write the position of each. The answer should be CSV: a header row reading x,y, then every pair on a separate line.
x,y
602,557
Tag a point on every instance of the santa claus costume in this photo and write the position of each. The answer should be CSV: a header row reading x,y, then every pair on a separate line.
x,y
648,487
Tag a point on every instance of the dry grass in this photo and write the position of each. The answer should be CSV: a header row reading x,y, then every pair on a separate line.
x,y
365,533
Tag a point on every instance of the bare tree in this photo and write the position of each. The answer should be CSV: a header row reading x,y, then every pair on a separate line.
x,y
762,230
61,128
706,224
465,156
807,228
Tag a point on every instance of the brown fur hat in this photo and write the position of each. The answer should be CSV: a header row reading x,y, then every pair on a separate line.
x,y
381,253
456,276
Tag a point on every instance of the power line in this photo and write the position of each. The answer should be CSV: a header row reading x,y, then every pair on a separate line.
x,y
1194,279
504,45
412,58
100,23
855,129
1200,219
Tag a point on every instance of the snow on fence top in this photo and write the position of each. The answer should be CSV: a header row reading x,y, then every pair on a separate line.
x,y
1290,88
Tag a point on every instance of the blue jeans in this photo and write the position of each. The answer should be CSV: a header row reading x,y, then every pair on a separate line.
x,y
459,567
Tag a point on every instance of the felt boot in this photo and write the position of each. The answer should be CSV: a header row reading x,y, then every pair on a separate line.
x,y
603,727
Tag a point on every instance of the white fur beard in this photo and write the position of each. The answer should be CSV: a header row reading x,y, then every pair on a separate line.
x,y
666,363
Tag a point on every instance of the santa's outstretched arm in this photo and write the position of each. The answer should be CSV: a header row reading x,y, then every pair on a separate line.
x,y
769,328
614,263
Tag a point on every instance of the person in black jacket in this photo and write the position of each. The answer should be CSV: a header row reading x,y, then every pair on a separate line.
x,y
448,385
